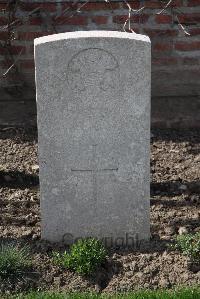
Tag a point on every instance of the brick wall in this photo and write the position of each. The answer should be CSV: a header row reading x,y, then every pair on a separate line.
x,y
175,54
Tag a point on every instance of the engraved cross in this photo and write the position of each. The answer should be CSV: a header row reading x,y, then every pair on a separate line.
x,y
94,170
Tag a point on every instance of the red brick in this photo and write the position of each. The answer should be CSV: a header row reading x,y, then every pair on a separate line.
x,y
193,3
162,47
14,50
5,64
3,51
75,20
3,6
194,31
160,33
100,20
51,7
70,6
193,46
27,64
163,19
133,4
101,6
3,21
13,77
3,35
161,4
31,50
91,6
153,4
31,35
176,3
189,61
134,18
193,18
35,21
164,61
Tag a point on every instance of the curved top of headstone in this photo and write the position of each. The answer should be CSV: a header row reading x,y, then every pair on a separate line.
x,y
88,34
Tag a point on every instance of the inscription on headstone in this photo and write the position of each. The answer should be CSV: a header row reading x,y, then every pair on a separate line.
x,y
95,171
93,102
93,68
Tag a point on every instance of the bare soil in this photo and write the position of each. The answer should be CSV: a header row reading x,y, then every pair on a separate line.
x,y
175,207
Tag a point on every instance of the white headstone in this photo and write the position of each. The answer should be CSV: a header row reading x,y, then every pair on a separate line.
x,y
93,101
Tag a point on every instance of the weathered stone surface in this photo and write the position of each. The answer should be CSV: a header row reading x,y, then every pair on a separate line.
x,y
93,102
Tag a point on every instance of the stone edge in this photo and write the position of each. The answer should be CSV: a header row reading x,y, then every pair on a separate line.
x,y
92,33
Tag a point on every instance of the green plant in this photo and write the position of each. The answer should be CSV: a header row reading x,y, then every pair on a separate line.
x,y
189,244
14,260
84,257
183,293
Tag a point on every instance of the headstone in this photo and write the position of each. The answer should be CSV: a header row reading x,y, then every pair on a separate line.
x,y
93,102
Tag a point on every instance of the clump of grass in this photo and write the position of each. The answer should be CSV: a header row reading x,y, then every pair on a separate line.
x,y
84,257
189,245
14,260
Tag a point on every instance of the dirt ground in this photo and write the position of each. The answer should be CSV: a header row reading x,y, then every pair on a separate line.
x,y
175,206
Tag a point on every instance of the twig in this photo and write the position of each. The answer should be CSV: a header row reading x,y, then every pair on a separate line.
x,y
16,59
182,27
166,6
128,20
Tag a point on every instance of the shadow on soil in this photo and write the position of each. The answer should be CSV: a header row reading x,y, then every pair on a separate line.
x,y
182,135
18,179
179,135
19,134
174,188
174,203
